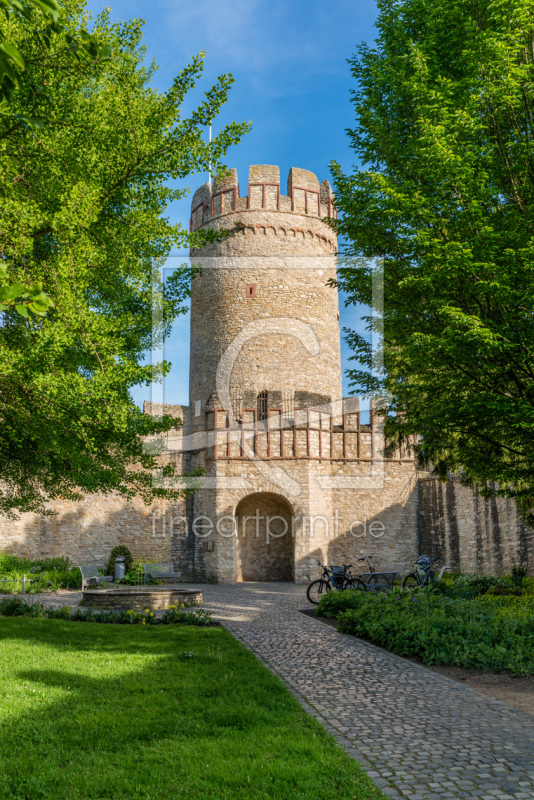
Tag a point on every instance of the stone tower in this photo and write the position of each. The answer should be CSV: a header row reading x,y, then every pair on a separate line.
x,y
289,472
264,321
291,475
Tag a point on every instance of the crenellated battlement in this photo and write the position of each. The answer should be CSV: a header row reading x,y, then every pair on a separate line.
x,y
304,195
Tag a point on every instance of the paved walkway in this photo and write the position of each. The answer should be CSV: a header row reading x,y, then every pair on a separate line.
x,y
418,734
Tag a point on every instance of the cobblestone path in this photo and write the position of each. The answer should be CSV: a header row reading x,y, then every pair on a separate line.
x,y
418,734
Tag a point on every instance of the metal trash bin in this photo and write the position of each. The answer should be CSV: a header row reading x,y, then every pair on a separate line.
x,y
120,568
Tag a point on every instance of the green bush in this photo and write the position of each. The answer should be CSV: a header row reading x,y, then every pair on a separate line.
x,y
176,614
479,582
519,574
119,550
14,607
10,563
45,574
332,604
505,591
132,578
488,632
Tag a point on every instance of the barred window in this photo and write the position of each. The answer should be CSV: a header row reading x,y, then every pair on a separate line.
x,y
261,405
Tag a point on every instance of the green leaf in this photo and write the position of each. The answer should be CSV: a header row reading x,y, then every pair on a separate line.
x,y
11,51
36,309
32,122
10,292
23,311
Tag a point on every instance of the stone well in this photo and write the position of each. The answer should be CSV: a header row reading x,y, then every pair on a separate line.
x,y
138,598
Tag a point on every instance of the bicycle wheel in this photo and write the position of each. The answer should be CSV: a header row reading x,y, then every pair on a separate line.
x,y
318,589
355,584
411,581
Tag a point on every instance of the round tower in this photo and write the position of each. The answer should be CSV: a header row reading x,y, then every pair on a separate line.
x,y
264,321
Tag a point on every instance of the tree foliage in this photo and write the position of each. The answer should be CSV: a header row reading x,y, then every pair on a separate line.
x,y
11,59
90,156
444,205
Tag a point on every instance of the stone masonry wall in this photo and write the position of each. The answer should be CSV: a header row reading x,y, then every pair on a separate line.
x,y
471,533
87,531
262,315
339,513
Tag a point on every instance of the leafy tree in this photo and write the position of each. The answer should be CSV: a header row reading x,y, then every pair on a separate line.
x,y
89,158
23,298
12,64
444,205
11,60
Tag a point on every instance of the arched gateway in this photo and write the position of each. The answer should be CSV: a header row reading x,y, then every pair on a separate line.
x,y
264,538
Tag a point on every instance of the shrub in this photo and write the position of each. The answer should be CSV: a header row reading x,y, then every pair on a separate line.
x,y
518,575
479,582
488,632
505,590
177,613
132,578
47,573
15,607
119,550
332,604
9,563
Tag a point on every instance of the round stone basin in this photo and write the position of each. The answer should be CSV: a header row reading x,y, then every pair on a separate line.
x,y
138,598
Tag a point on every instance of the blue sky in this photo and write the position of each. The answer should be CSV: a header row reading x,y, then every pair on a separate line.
x,y
289,61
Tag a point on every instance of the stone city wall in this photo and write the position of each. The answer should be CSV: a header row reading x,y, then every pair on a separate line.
x,y
87,531
337,513
471,533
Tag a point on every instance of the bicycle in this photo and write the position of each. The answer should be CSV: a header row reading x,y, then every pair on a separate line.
x,y
374,580
369,565
333,579
423,573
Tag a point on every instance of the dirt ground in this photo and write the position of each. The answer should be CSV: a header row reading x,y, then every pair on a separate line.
x,y
515,691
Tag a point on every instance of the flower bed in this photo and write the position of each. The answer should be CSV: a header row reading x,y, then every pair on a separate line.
x,y
177,613
489,631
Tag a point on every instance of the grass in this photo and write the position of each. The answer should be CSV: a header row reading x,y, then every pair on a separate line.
x,y
104,711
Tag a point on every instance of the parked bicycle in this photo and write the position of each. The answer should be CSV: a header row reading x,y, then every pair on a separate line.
x,y
422,575
374,581
334,579
369,559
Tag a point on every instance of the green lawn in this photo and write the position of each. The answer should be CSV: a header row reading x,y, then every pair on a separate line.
x,y
107,711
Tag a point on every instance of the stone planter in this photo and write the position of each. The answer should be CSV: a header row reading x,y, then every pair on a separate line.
x,y
138,598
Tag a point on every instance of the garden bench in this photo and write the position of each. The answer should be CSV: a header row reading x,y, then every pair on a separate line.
x,y
385,576
90,576
159,572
